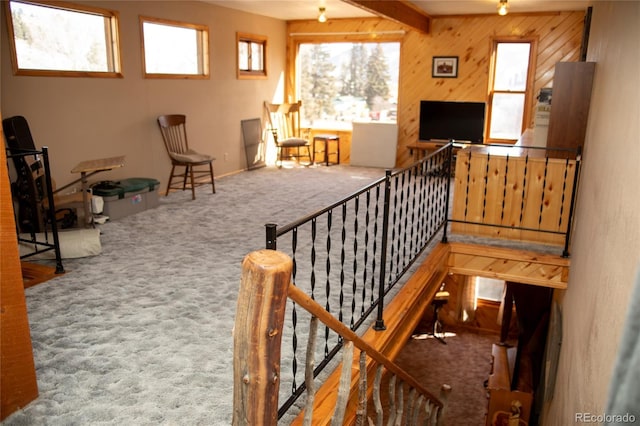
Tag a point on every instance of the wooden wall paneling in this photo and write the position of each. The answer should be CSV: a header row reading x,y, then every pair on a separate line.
x,y
494,190
17,368
460,192
509,265
513,198
559,36
556,197
566,192
537,195
534,189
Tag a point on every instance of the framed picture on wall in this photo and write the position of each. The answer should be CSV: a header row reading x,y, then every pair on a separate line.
x,y
445,67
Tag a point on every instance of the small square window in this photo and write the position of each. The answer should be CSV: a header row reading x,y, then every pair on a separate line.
x,y
174,49
60,39
489,289
252,52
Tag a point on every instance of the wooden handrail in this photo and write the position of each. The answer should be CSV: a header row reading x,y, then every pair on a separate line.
x,y
257,337
264,288
302,299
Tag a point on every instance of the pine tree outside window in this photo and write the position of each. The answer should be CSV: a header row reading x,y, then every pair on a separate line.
x,y
339,83
62,39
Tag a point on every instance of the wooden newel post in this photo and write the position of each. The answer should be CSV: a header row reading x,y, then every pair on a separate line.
x,y
257,337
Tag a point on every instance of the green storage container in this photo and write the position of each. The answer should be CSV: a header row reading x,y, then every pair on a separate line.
x,y
127,196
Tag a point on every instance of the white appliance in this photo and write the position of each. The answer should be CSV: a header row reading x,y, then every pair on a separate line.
x,y
541,124
374,144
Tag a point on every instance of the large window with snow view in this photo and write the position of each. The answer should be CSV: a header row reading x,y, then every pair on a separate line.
x,y
339,83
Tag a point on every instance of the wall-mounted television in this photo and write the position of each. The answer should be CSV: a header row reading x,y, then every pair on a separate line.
x,y
457,121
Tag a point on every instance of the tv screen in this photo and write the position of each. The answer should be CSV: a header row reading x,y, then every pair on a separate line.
x,y
458,121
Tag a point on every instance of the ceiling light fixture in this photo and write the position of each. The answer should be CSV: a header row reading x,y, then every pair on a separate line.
x,y
322,17
503,7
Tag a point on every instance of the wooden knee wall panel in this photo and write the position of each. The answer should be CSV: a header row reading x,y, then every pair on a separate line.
x,y
17,369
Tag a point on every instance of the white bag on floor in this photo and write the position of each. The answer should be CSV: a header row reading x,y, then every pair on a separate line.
x,y
74,243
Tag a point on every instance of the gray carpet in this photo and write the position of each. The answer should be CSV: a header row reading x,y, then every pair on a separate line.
x,y
141,334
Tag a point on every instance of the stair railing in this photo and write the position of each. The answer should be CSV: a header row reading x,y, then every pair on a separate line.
x,y
264,289
350,255
38,229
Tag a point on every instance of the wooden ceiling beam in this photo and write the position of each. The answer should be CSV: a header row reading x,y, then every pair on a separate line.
x,y
397,10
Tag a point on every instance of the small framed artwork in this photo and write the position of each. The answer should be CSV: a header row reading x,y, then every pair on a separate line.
x,y
445,67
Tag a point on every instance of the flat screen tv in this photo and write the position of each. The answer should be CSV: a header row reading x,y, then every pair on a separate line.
x,y
457,121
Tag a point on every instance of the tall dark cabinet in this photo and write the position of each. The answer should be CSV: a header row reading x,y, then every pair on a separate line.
x,y
572,84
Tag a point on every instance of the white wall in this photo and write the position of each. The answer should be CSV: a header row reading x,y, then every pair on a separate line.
x,y
606,242
88,118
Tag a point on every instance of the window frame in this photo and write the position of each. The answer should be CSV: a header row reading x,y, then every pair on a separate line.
x,y
293,85
112,42
528,92
251,39
203,49
485,281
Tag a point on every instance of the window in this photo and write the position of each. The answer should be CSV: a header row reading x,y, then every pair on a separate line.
x,y
251,56
174,49
509,91
339,83
60,39
489,289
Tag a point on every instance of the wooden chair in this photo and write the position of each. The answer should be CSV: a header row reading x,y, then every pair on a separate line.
x,y
174,133
284,124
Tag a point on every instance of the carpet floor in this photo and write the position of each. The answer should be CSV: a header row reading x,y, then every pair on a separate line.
x,y
463,363
142,333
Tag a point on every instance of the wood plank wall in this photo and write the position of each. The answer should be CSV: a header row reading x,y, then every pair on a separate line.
x,y
558,34
522,192
17,368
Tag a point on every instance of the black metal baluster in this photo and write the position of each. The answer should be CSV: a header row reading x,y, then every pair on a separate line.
x,y
51,211
504,189
421,206
342,259
404,206
354,286
379,326
486,184
328,282
444,186
294,314
565,252
524,187
393,228
413,213
375,242
466,200
313,257
564,189
544,188
366,251
431,194
271,239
